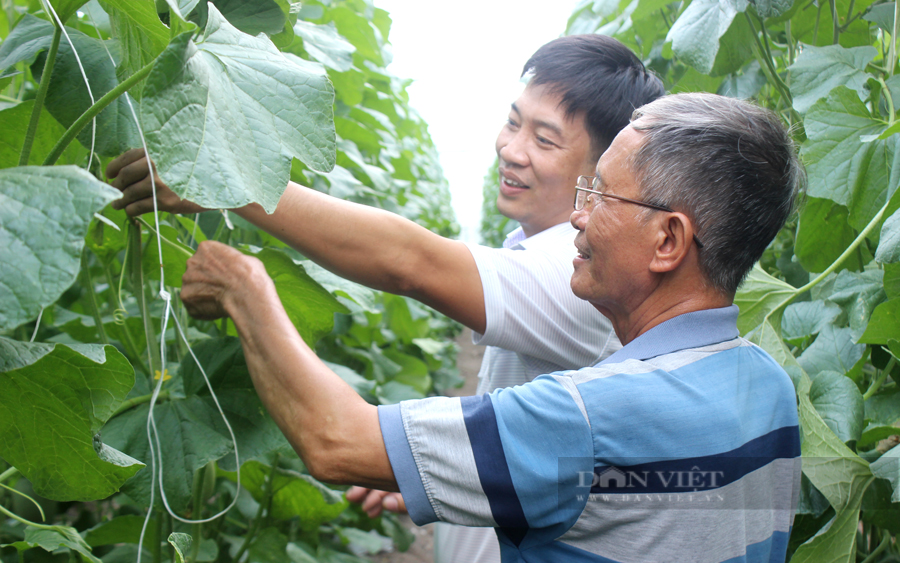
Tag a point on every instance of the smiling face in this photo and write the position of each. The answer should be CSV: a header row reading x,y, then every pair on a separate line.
x,y
615,245
542,152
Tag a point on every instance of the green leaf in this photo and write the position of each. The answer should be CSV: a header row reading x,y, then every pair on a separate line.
x,y
745,85
174,256
882,15
270,546
223,117
884,324
819,70
857,175
888,467
74,390
141,35
181,544
44,216
759,295
14,123
695,34
833,350
295,495
839,403
253,18
807,318
889,242
309,306
68,97
772,8
189,442
122,529
359,294
256,433
65,9
325,44
393,392
31,36
858,293
57,537
766,337
823,233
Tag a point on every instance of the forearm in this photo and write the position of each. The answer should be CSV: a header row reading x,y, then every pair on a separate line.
x,y
361,243
335,432
377,249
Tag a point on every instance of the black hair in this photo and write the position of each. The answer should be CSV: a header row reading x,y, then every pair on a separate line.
x,y
597,75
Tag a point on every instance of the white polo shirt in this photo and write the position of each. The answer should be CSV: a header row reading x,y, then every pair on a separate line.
x,y
535,325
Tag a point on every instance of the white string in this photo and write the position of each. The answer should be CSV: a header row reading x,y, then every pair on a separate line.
x,y
37,325
87,83
152,433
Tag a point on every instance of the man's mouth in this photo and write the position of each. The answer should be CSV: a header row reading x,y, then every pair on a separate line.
x,y
504,179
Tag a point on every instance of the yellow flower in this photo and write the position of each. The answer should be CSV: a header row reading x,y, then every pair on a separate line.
x,y
165,376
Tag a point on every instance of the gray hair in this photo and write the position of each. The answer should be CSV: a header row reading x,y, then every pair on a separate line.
x,y
729,165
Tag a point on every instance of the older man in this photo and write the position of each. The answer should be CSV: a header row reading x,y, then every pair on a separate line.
x,y
689,432
581,92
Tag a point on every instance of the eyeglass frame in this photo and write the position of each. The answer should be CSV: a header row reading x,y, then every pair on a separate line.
x,y
595,181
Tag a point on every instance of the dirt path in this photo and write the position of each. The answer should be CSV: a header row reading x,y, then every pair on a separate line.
x,y
422,550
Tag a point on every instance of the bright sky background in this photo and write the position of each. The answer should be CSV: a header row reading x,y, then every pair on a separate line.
x,y
465,57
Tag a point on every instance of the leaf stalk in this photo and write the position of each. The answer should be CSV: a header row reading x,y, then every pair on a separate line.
x,y
31,132
92,112
263,503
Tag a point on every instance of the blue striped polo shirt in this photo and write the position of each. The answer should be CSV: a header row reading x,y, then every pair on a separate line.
x,y
682,446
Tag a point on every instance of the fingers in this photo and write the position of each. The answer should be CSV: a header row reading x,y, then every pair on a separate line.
x,y
374,501
123,160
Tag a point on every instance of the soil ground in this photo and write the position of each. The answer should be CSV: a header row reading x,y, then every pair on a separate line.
x,y
422,550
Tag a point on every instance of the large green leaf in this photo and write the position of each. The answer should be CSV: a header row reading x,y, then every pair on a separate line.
x,y
54,538
253,18
889,242
31,36
223,117
188,439
758,296
14,123
839,403
65,9
68,97
55,399
137,27
823,234
858,293
257,435
309,306
695,35
44,216
884,324
833,350
858,175
325,44
807,318
888,467
295,495
819,70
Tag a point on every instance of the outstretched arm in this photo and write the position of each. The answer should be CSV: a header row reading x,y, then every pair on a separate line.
x,y
370,246
335,432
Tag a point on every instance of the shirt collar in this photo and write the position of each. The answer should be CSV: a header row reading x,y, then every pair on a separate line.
x,y
517,240
690,330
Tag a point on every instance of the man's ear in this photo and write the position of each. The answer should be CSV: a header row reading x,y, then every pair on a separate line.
x,y
673,242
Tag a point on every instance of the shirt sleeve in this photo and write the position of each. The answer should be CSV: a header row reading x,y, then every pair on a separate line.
x,y
530,309
509,459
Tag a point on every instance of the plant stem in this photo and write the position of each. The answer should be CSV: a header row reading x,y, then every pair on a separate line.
x,y
889,99
11,472
263,502
39,98
135,255
157,547
767,55
92,112
879,381
885,543
835,27
837,263
21,520
127,339
135,401
88,282
892,53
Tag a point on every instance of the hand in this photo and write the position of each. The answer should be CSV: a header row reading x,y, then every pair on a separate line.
x,y
214,274
373,501
132,175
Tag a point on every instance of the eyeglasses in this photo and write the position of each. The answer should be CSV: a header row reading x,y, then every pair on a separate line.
x,y
583,198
